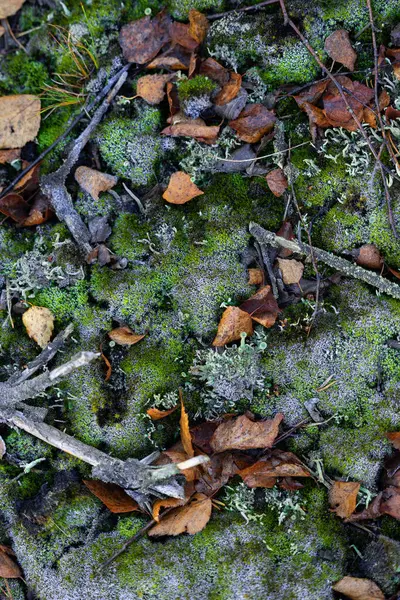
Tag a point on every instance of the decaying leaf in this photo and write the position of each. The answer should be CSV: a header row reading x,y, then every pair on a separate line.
x,y
178,60
217,472
39,212
339,48
262,307
191,518
142,40
14,206
39,323
373,511
94,182
292,270
3,448
185,432
264,472
356,588
195,128
335,108
277,182
165,503
156,414
9,7
8,567
253,123
368,256
152,87
8,156
343,497
394,438
215,71
234,321
124,336
244,434
198,25
390,503
19,120
285,231
256,277
113,496
230,90
181,189
312,94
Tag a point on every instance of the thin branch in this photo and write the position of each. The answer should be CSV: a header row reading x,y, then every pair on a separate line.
x,y
243,9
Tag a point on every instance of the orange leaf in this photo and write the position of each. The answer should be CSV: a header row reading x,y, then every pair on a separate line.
x,y
278,464
165,503
356,588
244,434
262,307
152,87
156,414
185,433
277,182
198,25
112,495
394,438
124,336
234,321
230,90
181,189
94,182
253,123
8,567
343,497
191,518
7,156
256,277
193,129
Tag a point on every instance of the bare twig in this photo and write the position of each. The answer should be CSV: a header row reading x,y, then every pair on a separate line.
x,y
243,9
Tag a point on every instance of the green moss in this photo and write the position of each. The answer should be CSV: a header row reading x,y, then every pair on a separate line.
x,y
51,128
127,231
381,234
180,8
198,86
22,74
63,302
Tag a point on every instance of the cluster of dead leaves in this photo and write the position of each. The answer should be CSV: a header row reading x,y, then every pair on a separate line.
x,y
229,443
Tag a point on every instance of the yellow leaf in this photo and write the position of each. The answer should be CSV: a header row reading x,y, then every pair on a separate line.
x,y
39,323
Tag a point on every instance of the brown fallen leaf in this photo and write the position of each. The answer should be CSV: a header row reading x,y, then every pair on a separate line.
x,y
112,495
368,256
9,7
312,94
39,212
8,156
244,434
339,48
391,114
262,307
3,448
285,231
173,99
253,123
185,432
176,454
256,276
181,189
180,35
124,336
356,588
142,40
264,472
166,503
198,25
277,182
191,518
19,120
234,321
8,567
230,90
156,414
217,472
194,129
373,511
215,71
316,115
152,87
94,182
14,206
335,108
292,270
39,324
108,366
30,182
201,435
178,60
394,438
343,497
390,503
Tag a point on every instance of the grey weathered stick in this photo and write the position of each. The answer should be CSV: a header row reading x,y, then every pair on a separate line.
x,y
340,264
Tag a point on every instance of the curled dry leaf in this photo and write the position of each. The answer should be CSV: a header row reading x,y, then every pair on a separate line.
x,y
181,189
112,495
262,307
285,231
8,567
253,123
166,503
156,414
9,7
230,90
292,270
142,40
19,120
392,113
39,324
173,99
178,60
339,48
277,182
198,25
191,518
124,336
186,438
256,277
264,472
196,129
94,182
234,321
356,588
244,434
368,256
3,448
343,497
335,108
152,87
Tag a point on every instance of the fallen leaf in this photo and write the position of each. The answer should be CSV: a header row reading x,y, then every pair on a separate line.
x,y
356,588
30,181
181,189
178,60
94,182
14,206
176,454
180,35
368,256
173,99
231,110
335,108
234,321
394,438
112,495
285,231
8,156
264,472
244,434
19,120
108,365
256,277
215,71
152,87
124,336
312,94
390,503
166,503
339,48
142,40
373,511
277,182
230,90
198,25
262,307
217,472
39,212
391,114
343,497
202,434
253,123
316,115
8,567
156,414
185,432
3,448
195,129
9,7
39,324
292,270
191,518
